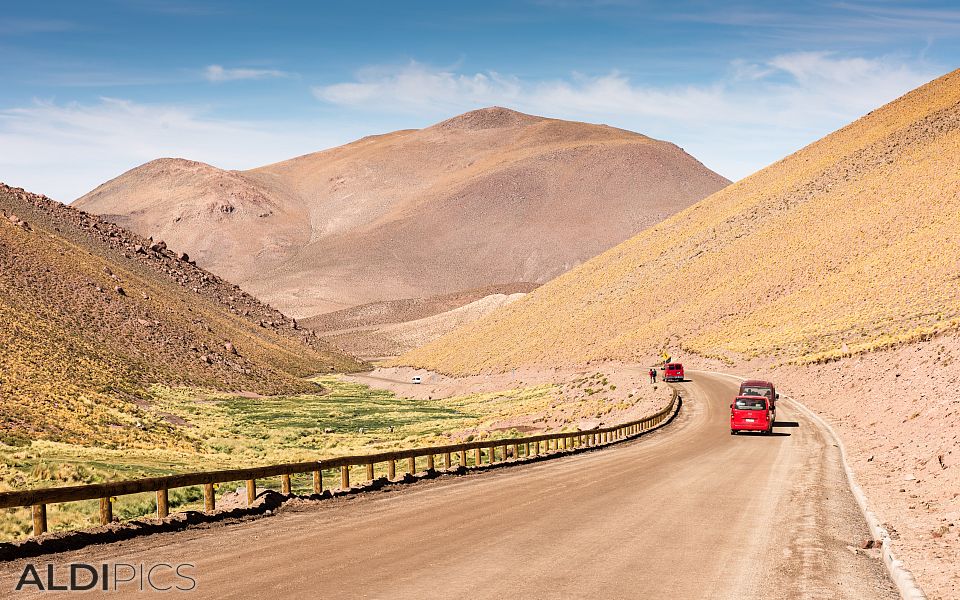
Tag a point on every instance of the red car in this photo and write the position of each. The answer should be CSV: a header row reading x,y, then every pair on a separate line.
x,y
752,413
758,387
673,372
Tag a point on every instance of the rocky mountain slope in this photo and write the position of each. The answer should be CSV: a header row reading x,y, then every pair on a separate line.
x,y
489,197
848,245
92,315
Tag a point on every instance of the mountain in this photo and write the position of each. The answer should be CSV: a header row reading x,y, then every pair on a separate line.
x,y
93,315
848,245
490,197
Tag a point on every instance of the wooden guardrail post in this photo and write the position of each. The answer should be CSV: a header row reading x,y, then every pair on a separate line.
x,y
516,451
370,472
106,511
318,482
391,470
430,462
503,451
412,465
463,458
209,499
447,461
478,456
285,485
163,503
492,451
251,491
39,519
345,477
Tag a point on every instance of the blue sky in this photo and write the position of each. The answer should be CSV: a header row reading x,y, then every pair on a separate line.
x,y
92,89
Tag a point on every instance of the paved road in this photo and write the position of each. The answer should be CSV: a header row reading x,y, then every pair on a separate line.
x,y
687,512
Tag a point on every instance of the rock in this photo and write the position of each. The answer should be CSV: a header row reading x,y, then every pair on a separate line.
x,y
139,249
120,291
867,544
158,246
183,256
108,271
229,347
206,359
328,430
909,477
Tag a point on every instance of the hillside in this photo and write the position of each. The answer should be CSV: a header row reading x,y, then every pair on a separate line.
x,y
92,315
850,244
390,328
490,197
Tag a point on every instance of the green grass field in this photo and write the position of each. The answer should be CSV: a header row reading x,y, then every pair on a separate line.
x,y
230,431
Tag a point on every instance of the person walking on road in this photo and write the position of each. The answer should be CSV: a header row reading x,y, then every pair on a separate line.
x,y
653,375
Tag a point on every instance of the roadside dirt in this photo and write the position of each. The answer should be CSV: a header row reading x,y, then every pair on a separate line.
x,y
898,413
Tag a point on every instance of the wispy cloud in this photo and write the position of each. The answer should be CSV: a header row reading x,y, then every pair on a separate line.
x,y
218,74
65,150
752,115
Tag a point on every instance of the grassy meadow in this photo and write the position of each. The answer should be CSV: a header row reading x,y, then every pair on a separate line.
x,y
217,430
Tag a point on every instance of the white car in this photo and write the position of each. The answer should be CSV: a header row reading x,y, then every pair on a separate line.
x,y
416,379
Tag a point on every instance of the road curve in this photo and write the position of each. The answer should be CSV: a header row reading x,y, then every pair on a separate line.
x,y
687,512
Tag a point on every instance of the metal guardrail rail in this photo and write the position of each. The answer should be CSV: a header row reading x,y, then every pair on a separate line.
x,y
484,451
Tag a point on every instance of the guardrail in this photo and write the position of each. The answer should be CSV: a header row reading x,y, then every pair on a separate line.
x,y
483,451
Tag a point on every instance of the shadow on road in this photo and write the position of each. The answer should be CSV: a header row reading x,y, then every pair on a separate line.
x,y
762,434
786,424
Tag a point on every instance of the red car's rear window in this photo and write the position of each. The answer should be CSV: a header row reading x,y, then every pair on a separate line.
x,y
750,404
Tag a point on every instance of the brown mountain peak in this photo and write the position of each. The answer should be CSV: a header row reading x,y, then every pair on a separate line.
x,y
492,117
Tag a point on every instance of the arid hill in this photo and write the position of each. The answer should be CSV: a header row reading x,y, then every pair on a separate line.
x,y
850,244
390,328
92,315
489,197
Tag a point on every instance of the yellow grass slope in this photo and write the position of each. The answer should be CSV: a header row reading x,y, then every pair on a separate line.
x,y
850,244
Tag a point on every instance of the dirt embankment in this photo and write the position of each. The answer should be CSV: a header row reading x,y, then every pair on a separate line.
x,y
898,412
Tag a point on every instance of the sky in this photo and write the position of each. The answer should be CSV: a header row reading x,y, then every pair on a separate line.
x,y
92,89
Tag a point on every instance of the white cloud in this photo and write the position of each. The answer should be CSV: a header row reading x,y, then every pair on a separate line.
x,y
218,74
754,114
65,151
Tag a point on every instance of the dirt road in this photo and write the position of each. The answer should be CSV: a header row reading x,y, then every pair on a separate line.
x,y
687,512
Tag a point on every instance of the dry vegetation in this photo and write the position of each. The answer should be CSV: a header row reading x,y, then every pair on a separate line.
x,y
845,246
